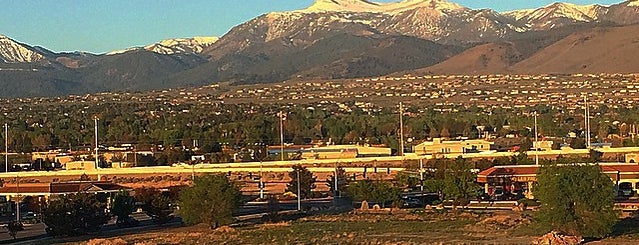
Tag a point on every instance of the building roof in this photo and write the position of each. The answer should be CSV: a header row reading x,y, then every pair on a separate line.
x,y
59,187
508,171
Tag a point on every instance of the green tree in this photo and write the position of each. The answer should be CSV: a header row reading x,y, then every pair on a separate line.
x,y
576,198
75,214
342,182
156,204
123,205
407,180
212,200
381,192
306,180
459,181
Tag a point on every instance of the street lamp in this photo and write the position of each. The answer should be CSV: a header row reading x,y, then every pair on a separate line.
x,y
536,144
299,198
18,196
95,120
281,114
260,155
421,174
6,147
401,129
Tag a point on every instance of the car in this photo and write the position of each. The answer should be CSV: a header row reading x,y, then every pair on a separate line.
x,y
412,203
625,190
30,218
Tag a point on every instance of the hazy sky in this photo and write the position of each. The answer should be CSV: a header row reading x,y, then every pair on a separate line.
x,y
105,25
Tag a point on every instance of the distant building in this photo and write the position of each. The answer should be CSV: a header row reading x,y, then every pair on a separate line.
x,y
44,191
80,165
439,146
542,145
344,151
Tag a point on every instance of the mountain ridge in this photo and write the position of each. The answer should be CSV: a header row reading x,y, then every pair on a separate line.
x,y
339,39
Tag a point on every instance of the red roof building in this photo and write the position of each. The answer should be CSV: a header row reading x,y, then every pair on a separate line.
x,y
524,175
58,188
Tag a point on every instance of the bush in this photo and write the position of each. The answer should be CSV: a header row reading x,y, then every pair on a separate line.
x,y
75,214
577,199
123,205
156,204
211,200
374,191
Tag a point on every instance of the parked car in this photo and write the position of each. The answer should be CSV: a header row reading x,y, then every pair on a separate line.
x,y
30,218
412,203
625,190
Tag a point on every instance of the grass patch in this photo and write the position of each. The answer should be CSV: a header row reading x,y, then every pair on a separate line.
x,y
344,231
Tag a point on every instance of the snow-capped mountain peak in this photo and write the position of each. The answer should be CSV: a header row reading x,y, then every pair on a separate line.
x,y
565,10
14,52
182,45
632,3
519,14
174,46
375,7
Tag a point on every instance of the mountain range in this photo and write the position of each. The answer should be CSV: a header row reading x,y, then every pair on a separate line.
x,y
345,39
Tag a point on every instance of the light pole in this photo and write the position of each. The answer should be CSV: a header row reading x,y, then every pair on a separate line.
x,y
261,181
299,198
193,172
587,121
95,120
421,174
260,155
6,147
401,129
17,196
536,144
281,114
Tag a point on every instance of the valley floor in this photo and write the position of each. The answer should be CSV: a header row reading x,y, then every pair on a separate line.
x,y
367,228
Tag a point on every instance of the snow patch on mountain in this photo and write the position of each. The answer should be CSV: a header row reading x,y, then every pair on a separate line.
x,y
375,7
633,3
122,51
182,45
14,52
518,14
174,46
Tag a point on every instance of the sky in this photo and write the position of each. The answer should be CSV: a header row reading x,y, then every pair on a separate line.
x,y
100,26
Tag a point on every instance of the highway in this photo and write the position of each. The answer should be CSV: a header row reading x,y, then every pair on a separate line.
x,y
315,165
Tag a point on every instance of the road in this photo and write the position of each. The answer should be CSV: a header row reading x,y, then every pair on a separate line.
x,y
251,210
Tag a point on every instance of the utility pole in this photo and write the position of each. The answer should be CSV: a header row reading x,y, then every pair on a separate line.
x,y
587,121
536,144
281,135
95,120
6,147
401,129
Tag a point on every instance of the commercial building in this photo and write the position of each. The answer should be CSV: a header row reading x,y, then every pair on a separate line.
x,y
439,146
11,192
344,151
520,178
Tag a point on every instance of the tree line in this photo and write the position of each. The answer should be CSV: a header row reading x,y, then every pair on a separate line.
x,y
42,126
